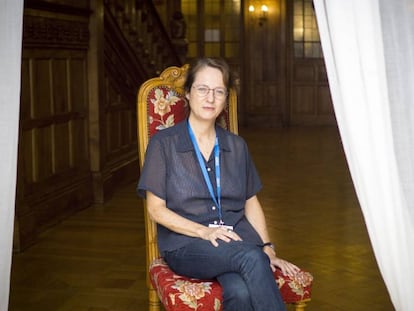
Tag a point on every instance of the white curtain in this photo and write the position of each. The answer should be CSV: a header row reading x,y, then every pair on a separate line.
x,y
11,17
368,47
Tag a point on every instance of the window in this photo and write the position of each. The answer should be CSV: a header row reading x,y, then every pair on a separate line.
x,y
306,41
213,28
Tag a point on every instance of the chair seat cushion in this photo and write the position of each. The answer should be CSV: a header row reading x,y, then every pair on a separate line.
x,y
181,293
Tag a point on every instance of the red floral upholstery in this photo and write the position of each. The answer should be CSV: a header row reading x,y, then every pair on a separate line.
x,y
179,293
166,107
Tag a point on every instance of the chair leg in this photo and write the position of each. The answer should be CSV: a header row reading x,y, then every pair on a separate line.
x,y
154,301
300,305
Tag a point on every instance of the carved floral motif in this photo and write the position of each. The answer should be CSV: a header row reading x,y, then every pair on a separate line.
x,y
43,30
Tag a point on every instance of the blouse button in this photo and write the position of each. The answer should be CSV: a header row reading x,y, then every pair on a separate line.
x,y
213,208
208,169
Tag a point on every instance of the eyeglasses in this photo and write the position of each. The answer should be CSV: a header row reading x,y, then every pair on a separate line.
x,y
203,90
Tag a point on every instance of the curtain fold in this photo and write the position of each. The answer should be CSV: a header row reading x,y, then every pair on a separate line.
x,y
368,50
11,21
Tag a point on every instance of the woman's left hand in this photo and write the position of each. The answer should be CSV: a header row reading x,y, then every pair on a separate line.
x,y
287,268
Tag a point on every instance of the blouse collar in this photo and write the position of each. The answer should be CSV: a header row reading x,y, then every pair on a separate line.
x,y
185,143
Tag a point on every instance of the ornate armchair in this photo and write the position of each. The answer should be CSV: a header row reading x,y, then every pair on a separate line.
x,y
161,103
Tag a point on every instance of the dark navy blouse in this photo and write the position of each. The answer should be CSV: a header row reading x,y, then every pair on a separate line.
x,y
172,172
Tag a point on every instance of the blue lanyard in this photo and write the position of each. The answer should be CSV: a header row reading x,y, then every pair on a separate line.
x,y
217,200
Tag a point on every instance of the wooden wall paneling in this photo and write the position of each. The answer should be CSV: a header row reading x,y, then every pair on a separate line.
x,y
303,92
323,102
302,106
311,101
78,83
26,162
42,89
25,226
52,182
303,102
42,154
325,105
61,148
96,97
25,104
304,72
78,106
79,148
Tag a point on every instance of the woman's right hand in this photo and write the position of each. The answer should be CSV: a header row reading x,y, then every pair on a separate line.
x,y
222,233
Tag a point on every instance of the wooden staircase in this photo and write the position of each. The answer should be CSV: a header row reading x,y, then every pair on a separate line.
x,y
142,28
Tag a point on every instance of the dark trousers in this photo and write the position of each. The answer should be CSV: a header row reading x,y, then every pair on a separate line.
x,y
241,268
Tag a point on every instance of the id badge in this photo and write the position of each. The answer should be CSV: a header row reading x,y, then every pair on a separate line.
x,y
223,226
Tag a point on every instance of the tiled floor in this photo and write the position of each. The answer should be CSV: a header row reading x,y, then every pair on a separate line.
x,y
95,259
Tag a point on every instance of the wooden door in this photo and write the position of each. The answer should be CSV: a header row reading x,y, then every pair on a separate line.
x,y
309,95
264,76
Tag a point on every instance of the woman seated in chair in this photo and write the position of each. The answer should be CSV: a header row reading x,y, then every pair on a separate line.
x,y
201,184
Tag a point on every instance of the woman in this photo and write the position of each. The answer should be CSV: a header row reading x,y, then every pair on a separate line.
x,y
200,184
